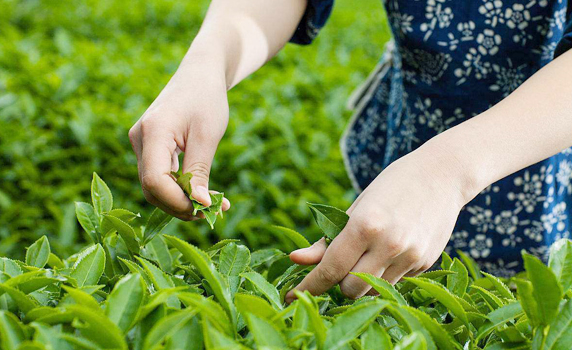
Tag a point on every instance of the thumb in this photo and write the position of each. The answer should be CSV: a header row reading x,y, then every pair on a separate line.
x,y
198,163
311,255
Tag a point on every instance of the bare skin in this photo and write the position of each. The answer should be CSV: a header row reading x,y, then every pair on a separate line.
x,y
403,220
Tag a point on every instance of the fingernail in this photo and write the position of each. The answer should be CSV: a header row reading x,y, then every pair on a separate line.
x,y
204,193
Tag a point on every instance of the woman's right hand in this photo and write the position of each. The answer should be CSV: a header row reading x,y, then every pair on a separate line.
x,y
190,115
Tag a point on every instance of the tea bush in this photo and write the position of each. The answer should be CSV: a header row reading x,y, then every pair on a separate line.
x,y
137,288
74,78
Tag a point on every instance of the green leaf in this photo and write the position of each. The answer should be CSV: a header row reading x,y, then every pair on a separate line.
x,y
205,266
184,181
125,301
38,253
438,333
545,288
375,338
159,278
125,231
315,322
88,220
446,261
299,240
157,222
470,264
499,317
500,287
384,288
560,332
561,262
217,340
264,287
167,327
527,300
331,220
25,303
442,295
406,286
11,331
490,299
160,253
246,303
10,267
413,341
100,195
352,323
55,262
209,309
94,325
458,282
264,333
82,298
89,266
411,321
234,259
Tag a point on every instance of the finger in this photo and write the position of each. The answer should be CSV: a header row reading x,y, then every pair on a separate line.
x,y
198,158
156,176
311,255
395,272
175,160
182,216
342,254
354,287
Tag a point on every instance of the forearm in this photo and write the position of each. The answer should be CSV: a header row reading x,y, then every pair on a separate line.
x,y
532,124
238,36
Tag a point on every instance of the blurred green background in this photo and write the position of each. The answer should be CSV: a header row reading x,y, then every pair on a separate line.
x,y
75,75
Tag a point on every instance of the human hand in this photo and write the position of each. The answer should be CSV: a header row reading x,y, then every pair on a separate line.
x,y
398,227
190,115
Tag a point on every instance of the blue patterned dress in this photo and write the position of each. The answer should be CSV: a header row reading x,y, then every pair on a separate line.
x,y
448,61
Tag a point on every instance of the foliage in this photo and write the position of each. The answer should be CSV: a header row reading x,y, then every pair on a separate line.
x,y
73,79
136,288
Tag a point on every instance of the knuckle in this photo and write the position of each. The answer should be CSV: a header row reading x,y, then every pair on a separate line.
x,y
394,247
149,183
350,290
133,135
328,275
415,254
148,124
368,228
426,266
200,170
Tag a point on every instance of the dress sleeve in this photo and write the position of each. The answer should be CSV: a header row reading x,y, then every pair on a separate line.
x,y
565,42
315,17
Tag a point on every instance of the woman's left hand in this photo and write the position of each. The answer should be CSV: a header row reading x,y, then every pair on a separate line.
x,y
398,226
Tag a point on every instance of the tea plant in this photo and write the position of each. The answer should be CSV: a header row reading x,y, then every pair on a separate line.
x,y
136,288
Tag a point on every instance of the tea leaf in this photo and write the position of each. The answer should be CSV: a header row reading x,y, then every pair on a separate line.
x,y
88,220
166,327
438,333
331,220
442,295
470,264
561,262
24,302
82,298
203,263
299,240
500,287
315,322
38,253
184,181
560,332
157,222
101,195
545,288
234,259
89,266
125,301
375,337
209,309
384,288
352,323
526,297
264,333
413,341
458,282
246,303
11,331
264,287
125,231
160,252
405,316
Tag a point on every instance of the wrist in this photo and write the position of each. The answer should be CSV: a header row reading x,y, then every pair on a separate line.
x,y
205,56
451,162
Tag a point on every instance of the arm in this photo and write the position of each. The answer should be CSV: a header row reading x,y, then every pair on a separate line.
x,y
191,113
402,222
